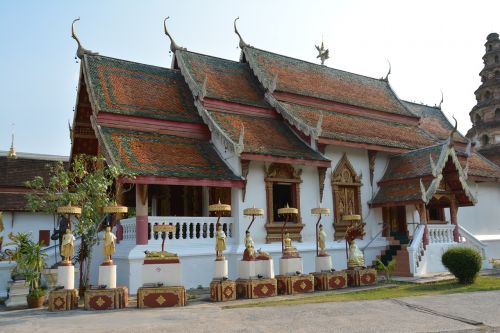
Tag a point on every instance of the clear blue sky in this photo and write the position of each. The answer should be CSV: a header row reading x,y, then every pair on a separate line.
x,y
432,45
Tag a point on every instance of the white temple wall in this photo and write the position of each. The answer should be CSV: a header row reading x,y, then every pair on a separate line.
x,y
26,222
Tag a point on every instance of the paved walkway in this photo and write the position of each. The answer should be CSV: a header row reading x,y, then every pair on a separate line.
x,y
467,312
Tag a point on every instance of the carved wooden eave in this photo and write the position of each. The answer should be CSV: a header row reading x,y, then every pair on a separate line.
x,y
437,171
199,93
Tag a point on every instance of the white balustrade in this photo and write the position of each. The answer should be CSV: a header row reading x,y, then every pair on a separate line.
x,y
440,233
416,248
468,239
187,228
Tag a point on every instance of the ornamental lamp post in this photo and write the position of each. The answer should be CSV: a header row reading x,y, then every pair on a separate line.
x,y
320,211
288,212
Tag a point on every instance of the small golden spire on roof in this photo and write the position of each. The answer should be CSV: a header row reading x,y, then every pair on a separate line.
x,y
324,54
12,150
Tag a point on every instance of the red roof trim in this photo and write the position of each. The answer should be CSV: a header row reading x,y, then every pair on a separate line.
x,y
395,203
361,145
190,130
182,181
285,160
344,108
230,107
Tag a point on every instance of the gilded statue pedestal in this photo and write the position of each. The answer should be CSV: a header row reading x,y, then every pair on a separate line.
x,y
295,284
361,276
256,288
330,280
63,299
222,290
161,297
106,299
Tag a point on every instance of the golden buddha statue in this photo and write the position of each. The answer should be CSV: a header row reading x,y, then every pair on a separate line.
x,y
356,258
322,241
220,244
68,246
249,253
289,250
109,245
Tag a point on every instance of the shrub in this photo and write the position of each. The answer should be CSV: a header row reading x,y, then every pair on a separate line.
x,y
463,262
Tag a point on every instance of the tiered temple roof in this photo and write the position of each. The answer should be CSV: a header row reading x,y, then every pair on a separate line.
x,y
159,123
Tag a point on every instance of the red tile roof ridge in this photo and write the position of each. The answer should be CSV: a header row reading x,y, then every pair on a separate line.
x,y
128,61
315,64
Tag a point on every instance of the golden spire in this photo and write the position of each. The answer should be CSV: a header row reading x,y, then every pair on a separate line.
x,y
12,150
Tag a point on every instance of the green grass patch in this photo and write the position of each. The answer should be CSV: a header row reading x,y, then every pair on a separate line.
x,y
400,289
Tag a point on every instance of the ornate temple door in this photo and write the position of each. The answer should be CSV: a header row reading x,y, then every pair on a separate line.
x,y
395,220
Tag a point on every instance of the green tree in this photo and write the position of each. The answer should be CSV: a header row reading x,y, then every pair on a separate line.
x,y
88,183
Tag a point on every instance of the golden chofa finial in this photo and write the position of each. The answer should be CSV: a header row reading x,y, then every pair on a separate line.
x,y
12,150
81,50
242,43
173,44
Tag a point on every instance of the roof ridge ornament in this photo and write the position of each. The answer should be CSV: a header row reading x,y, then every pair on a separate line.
x,y
453,131
242,43
388,72
433,166
173,45
467,154
273,84
441,102
81,51
323,54
12,150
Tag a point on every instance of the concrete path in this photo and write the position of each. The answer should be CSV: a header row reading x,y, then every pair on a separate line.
x,y
467,312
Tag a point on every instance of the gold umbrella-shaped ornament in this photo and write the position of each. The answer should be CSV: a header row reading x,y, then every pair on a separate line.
x,y
320,211
219,209
288,212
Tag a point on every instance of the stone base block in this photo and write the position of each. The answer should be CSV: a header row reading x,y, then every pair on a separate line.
x,y
66,276
246,269
63,299
290,266
323,264
107,276
265,267
295,284
256,288
18,290
221,269
161,297
157,271
222,290
361,277
330,280
106,299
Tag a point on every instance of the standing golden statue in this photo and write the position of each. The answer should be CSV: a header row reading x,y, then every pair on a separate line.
x,y
220,244
109,245
249,253
322,241
68,246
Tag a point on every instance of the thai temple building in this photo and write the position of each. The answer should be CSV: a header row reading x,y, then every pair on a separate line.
x,y
267,130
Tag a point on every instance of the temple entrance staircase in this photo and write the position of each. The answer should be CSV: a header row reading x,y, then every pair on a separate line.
x,y
397,249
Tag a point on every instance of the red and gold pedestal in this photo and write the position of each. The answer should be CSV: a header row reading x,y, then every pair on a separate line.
x,y
295,284
106,299
361,277
222,290
161,297
63,299
330,280
256,288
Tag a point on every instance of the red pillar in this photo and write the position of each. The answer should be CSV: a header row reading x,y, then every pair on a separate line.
x,y
141,220
453,218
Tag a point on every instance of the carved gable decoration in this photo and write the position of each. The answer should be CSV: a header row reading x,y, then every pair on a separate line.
x,y
346,186
283,171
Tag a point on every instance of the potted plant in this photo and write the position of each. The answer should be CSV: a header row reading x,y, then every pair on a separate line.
x,y
30,263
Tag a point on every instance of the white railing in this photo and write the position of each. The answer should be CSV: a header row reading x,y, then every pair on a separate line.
x,y
187,228
440,233
468,239
416,249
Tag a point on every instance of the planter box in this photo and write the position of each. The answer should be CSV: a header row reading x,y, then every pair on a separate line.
x,y
256,288
161,297
63,299
295,284
106,299
361,277
330,280
222,290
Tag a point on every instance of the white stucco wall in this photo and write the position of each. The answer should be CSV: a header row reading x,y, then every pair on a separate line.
x,y
27,222
484,217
